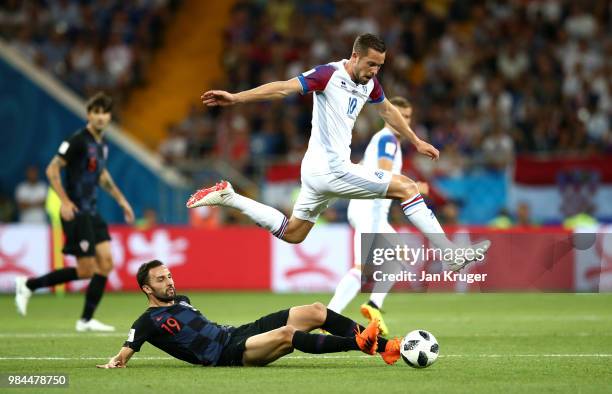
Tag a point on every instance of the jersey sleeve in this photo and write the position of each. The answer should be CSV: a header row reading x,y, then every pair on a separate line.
x,y
70,148
316,80
180,298
376,95
141,331
387,147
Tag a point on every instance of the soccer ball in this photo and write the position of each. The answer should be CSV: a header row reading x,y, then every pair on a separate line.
x,y
419,349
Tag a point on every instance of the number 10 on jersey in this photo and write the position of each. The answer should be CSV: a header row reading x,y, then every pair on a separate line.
x,y
352,105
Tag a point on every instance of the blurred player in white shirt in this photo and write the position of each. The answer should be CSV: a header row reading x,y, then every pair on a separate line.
x,y
341,89
371,216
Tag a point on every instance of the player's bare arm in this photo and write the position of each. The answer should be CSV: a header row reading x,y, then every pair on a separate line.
x,y
68,208
120,360
269,91
385,164
107,183
394,118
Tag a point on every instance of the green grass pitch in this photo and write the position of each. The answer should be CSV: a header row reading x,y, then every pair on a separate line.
x,y
489,343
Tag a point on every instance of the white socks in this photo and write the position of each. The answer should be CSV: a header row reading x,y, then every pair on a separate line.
x,y
346,290
263,215
378,298
423,219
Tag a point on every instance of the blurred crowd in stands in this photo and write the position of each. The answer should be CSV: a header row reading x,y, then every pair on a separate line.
x,y
488,79
91,45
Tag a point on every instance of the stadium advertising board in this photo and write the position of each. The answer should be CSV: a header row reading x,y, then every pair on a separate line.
x,y
249,258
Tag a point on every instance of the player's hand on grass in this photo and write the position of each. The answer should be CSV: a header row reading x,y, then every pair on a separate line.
x,y
112,363
67,210
427,150
214,98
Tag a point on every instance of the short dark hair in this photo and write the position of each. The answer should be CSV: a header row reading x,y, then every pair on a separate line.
x,y
99,100
400,102
142,277
367,41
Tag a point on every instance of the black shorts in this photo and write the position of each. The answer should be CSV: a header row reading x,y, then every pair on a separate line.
x,y
83,233
233,351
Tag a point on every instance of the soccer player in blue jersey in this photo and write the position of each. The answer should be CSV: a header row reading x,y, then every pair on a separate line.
x,y
173,325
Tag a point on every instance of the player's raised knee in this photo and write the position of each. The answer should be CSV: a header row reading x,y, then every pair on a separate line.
x,y
406,188
105,266
297,230
319,312
294,238
286,334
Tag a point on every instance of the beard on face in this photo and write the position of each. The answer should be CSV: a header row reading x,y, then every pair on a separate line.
x,y
363,79
165,295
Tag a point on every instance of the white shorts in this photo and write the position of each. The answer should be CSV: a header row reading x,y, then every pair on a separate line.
x,y
355,181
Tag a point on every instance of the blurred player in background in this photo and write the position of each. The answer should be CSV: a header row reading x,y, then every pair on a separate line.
x,y
371,216
341,89
174,326
84,157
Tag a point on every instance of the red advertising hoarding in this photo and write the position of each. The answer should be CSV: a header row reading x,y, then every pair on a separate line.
x,y
249,258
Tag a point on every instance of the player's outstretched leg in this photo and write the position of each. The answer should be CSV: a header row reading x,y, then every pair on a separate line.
x,y
316,315
24,287
292,230
95,291
406,190
347,289
265,348
372,309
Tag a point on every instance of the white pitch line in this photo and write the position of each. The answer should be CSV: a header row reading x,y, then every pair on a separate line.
x,y
525,318
470,356
527,355
595,355
77,358
18,335
62,335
